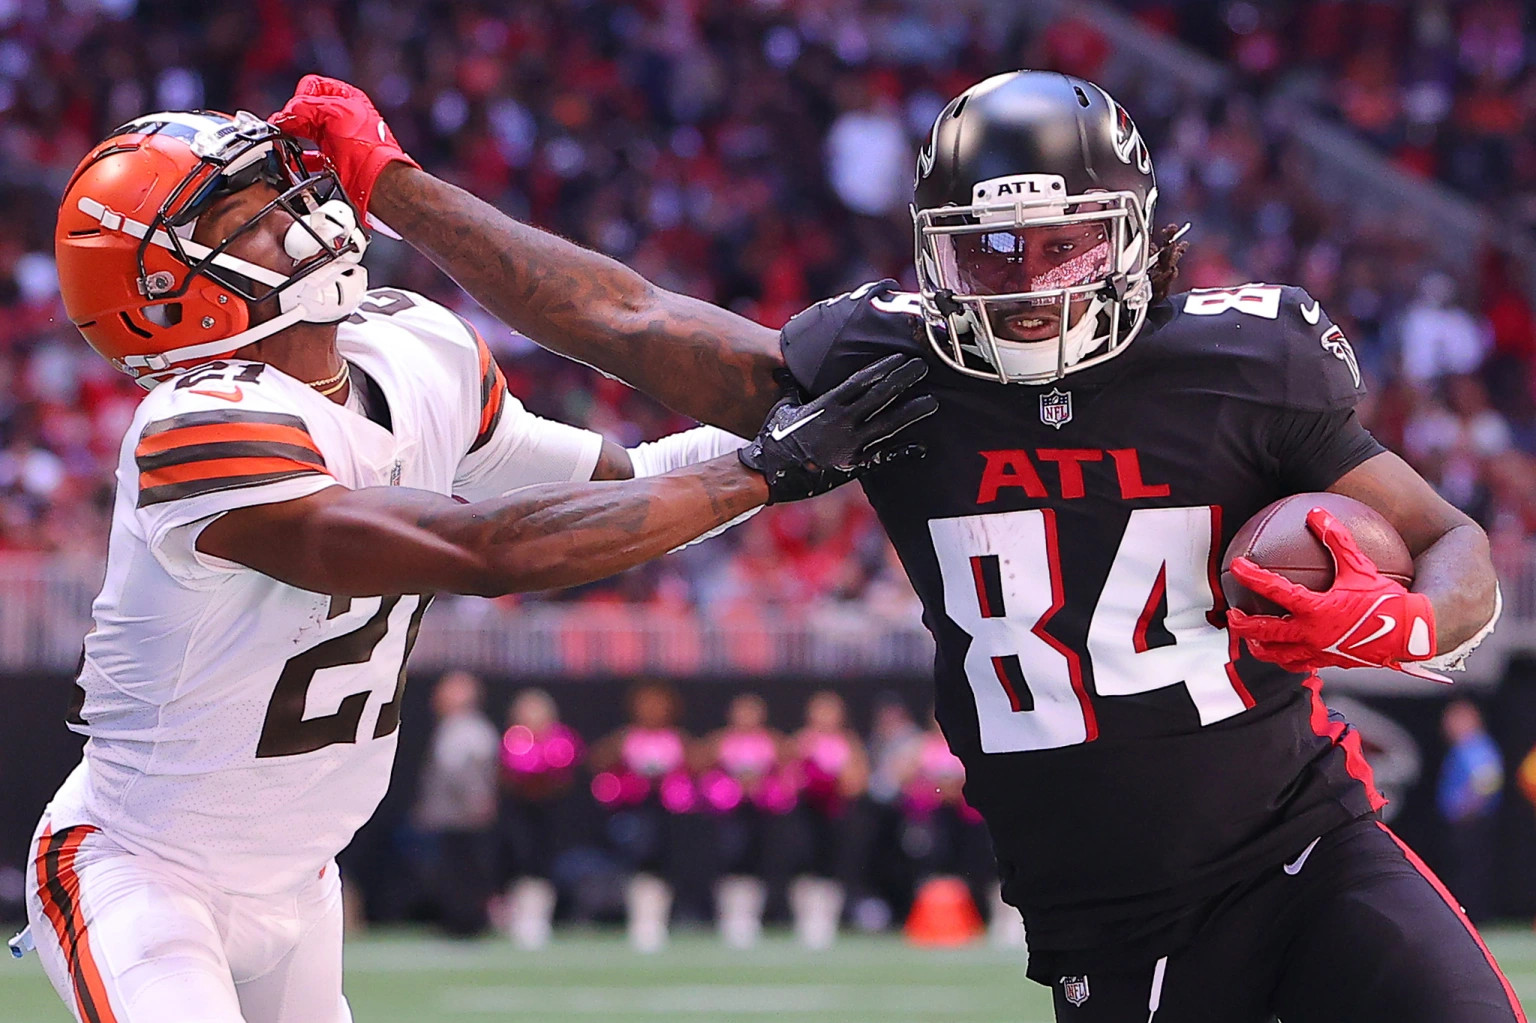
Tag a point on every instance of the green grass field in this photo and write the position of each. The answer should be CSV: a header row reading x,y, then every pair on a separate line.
x,y
396,978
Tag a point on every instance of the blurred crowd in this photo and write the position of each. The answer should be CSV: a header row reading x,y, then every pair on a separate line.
x,y
1447,87
759,154
818,826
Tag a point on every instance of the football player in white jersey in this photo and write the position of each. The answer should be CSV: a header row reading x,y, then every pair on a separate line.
x,y
312,461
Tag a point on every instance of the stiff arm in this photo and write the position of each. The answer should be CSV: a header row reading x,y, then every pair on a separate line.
x,y
696,358
389,540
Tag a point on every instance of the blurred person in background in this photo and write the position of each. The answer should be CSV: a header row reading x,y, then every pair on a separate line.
x,y
539,756
642,779
456,804
1136,764
1468,795
892,734
744,781
943,836
833,773
1439,337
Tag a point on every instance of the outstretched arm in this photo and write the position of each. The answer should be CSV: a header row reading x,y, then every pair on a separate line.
x,y
695,358
562,534
544,537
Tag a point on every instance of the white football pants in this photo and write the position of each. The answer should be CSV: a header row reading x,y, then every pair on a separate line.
x,y
129,938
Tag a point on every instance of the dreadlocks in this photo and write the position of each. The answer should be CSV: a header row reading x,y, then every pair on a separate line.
x,y
1165,265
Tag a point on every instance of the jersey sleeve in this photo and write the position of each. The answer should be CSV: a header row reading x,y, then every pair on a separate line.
x,y
833,339
501,446
1268,344
1321,371
1312,430
197,456
1312,450
514,448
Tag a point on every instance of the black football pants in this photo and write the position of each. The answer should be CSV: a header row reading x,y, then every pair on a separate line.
x,y
1362,932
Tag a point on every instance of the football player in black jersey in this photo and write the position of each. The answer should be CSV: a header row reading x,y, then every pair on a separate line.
x,y
1189,833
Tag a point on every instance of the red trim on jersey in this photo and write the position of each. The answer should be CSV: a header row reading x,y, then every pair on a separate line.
x,y
1144,620
231,469
981,587
1218,613
58,889
1014,702
493,390
1354,756
1450,900
1058,600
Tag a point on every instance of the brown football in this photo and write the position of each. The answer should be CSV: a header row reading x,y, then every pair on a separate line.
x,y
1278,539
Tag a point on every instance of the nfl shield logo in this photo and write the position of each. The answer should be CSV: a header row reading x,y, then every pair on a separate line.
x,y
1056,408
1075,989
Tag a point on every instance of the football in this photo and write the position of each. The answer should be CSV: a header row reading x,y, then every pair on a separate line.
x,y
1277,538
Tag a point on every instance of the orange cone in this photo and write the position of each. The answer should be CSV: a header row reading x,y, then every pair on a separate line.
x,y
943,914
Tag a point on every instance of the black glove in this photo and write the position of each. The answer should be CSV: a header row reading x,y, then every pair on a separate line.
x,y
808,449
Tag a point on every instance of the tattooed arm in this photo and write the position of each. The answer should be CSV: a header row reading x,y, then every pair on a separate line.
x,y
695,358
537,538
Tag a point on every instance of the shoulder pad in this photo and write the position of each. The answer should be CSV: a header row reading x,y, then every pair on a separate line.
x,y
416,313
1273,344
219,428
835,338
221,384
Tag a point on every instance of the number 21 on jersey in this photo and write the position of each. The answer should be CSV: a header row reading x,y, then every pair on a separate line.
x,y
1003,583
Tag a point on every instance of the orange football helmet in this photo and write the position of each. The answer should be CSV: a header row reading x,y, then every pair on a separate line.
x,y
153,301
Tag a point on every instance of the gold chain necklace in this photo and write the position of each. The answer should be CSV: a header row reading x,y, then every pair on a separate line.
x,y
331,384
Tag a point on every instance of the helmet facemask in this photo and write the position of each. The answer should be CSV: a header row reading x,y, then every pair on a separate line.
x,y
1028,284
327,281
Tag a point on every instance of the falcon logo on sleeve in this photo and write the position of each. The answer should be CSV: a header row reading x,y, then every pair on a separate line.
x,y
1336,343
203,452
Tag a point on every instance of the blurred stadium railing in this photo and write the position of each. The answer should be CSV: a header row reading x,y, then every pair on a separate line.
x,y
45,609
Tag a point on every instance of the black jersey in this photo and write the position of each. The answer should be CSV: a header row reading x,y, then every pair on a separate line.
x,y
1131,758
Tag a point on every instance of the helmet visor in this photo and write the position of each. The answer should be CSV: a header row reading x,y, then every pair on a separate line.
x,y
1013,260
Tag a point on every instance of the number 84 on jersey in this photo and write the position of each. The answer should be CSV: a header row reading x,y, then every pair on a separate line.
x,y
1003,584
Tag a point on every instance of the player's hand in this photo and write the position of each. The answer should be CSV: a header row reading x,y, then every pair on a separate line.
x,y
349,130
808,449
1363,620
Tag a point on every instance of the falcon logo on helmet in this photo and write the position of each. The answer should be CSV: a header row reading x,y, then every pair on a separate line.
x,y
151,299
1128,144
1030,218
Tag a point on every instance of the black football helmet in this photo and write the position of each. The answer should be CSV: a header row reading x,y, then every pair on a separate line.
x,y
1031,212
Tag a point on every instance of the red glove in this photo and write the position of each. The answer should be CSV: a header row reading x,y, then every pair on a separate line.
x,y
344,123
1363,620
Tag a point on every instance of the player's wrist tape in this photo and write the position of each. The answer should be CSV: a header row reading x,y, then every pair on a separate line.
x,y
676,450
1456,659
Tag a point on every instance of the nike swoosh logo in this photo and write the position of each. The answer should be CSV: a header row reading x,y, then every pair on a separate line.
x,y
234,395
1294,867
385,138
1312,313
777,434
1388,623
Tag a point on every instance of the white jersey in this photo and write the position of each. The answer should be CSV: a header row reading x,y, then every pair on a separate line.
x,y
239,726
